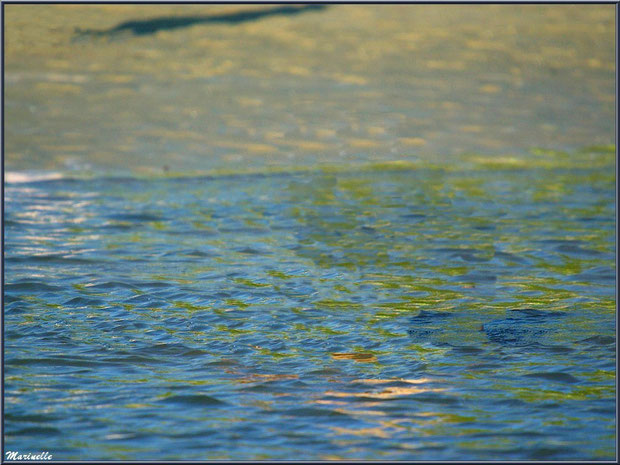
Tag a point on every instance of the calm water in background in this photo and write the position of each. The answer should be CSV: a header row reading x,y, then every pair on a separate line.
x,y
309,279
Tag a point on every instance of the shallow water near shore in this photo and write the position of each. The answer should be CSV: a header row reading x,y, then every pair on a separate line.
x,y
256,233
341,84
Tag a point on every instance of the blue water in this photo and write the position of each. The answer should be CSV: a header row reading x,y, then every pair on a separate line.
x,y
383,311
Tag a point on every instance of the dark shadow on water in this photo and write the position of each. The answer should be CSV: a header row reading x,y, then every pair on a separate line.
x,y
153,25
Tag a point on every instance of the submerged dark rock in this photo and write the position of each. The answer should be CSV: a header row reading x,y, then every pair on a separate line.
x,y
523,327
428,324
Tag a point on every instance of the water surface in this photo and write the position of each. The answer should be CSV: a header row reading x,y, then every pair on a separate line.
x,y
391,312
352,232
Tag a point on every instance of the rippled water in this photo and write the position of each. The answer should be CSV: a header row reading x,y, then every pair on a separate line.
x,y
390,311
254,232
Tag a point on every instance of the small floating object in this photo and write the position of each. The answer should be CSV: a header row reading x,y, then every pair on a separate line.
x,y
358,357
